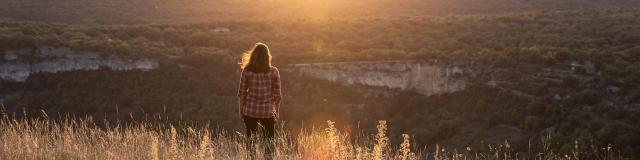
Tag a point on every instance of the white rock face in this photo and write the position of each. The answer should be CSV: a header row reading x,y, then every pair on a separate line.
x,y
18,65
425,77
222,30
10,57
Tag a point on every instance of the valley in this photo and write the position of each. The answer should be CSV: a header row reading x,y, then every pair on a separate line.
x,y
460,76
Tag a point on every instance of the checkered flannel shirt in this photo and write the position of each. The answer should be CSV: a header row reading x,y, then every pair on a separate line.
x,y
260,93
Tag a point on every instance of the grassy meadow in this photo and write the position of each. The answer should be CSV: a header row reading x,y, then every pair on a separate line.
x,y
81,138
86,138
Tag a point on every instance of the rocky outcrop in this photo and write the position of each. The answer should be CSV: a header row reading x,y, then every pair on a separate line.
x,y
426,77
18,65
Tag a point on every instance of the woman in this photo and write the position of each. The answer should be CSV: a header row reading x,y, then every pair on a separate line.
x,y
259,91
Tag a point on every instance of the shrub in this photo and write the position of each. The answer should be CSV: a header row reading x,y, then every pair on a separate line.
x,y
588,97
606,134
595,124
566,127
536,108
533,123
570,81
568,103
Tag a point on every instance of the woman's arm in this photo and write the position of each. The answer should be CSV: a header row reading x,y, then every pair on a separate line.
x,y
242,91
277,91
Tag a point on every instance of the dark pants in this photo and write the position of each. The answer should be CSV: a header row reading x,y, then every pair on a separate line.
x,y
266,126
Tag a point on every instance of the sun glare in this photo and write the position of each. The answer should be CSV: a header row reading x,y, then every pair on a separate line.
x,y
315,9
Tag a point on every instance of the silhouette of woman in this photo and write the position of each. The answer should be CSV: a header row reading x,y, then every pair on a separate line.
x,y
259,92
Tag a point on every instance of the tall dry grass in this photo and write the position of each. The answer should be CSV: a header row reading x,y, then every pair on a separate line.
x,y
81,138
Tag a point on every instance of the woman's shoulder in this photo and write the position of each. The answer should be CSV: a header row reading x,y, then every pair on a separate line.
x,y
274,71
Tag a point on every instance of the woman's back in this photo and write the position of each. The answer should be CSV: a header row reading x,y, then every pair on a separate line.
x,y
260,93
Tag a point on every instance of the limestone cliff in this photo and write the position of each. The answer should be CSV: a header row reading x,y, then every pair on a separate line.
x,y
18,65
426,77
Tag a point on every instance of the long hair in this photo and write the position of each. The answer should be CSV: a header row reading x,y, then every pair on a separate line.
x,y
257,60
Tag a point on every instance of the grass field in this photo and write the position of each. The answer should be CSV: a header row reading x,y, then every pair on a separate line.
x,y
83,138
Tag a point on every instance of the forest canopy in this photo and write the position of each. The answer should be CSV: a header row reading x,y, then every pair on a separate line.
x,y
607,38
188,11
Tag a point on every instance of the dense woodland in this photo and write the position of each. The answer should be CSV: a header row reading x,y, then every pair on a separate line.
x,y
198,74
180,11
606,38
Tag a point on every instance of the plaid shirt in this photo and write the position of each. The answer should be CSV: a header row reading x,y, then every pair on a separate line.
x,y
260,93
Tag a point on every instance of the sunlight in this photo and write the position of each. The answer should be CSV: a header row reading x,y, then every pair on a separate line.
x,y
315,9
319,9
